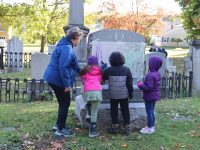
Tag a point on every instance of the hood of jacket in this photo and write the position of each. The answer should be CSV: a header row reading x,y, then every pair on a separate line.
x,y
95,70
155,63
65,41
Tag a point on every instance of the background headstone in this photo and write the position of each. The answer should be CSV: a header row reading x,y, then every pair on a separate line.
x,y
14,48
170,68
169,62
51,49
39,64
187,65
188,62
162,56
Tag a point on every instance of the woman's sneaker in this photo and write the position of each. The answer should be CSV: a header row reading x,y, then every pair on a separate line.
x,y
114,129
55,127
147,130
66,132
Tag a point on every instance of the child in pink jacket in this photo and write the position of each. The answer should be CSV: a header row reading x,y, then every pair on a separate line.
x,y
91,76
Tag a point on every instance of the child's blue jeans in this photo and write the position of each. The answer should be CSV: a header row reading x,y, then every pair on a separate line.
x,y
150,106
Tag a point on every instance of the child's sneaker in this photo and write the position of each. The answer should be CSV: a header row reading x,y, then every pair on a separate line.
x,y
66,132
114,129
93,132
147,130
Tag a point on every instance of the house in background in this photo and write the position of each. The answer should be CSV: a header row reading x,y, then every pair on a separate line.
x,y
4,35
173,35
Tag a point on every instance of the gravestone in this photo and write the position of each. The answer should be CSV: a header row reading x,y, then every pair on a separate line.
x,y
169,62
15,55
187,65
162,70
131,45
101,44
188,62
195,46
39,63
170,68
51,49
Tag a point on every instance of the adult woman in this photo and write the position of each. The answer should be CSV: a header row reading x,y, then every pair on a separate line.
x,y
60,75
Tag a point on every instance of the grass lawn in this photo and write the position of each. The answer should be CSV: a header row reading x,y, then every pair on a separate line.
x,y
176,48
32,48
25,74
31,129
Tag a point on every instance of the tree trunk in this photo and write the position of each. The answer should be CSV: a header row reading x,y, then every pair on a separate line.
x,y
43,42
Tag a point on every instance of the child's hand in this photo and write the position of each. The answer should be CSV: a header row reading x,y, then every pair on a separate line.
x,y
130,97
139,84
103,66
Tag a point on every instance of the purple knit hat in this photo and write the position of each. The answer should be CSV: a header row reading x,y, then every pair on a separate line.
x,y
92,60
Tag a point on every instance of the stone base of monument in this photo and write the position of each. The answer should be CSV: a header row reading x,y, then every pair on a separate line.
x,y
137,114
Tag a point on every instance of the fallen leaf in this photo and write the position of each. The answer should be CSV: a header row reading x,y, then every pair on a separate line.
x,y
124,145
78,129
192,133
56,145
177,146
83,148
173,126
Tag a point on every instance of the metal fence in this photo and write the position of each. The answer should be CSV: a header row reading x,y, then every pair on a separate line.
x,y
177,86
14,59
15,90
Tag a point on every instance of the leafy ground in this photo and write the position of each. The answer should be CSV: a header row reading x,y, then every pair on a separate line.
x,y
28,126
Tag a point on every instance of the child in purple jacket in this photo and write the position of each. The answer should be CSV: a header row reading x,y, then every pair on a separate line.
x,y
151,92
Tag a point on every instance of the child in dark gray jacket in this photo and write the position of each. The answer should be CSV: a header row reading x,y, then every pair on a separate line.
x,y
120,90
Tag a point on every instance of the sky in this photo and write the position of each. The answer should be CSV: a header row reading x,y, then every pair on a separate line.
x,y
167,5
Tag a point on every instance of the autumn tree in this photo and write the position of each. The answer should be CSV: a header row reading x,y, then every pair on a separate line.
x,y
138,20
191,17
